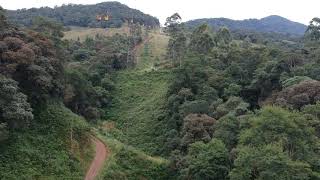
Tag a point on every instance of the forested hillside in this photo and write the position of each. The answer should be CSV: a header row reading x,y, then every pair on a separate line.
x,y
39,136
173,103
53,93
276,24
85,15
242,110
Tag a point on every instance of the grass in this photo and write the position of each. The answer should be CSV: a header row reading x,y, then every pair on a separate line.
x,y
82,32
152,52
126,162
139,100
138,107
45,151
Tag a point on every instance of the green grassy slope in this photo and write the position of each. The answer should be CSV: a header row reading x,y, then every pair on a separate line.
x,y
82,33
46,150
134,130
126,162
138,107
139,101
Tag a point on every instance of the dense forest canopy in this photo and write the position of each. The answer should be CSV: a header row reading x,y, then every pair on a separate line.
x,y
85,15
242,108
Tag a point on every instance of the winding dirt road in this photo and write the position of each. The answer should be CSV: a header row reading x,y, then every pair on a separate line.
x,y
102,153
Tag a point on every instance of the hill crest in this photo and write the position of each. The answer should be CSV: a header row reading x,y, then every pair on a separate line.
x,y
273,23
85,15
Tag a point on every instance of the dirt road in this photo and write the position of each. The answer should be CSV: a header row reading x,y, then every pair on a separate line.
x,y
102,153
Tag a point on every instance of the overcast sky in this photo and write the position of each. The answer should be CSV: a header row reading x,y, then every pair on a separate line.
x,y
297,10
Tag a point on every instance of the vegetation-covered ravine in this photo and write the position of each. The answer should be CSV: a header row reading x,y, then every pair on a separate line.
x,y
87,94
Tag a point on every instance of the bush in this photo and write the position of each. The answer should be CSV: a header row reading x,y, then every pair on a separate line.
x,y
206,161
13,43
197,127
198,106
294,80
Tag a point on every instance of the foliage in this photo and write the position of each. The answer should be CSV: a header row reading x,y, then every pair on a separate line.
x,y
43,151
15,110
49,28
35,141
207,109
201,40
228,82
227,129
31,59
127,162
234,106
139,107
294,80
196,127
177,41
223,36
282,137
268,162
313,31
85,15
298,95
206,161
83,97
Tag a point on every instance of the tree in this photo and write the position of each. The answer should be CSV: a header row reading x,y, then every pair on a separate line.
x,y
201,40
312,113
4,133
227,129
313,31
233,106
294,80
298,95
85,15
277,144
14,108
173,24
223,36
197,127
268,162
206,161
177,41
3,19
232,90
197,106
51,29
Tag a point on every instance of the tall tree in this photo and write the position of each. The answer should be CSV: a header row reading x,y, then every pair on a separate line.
x,y
3,20
14,108
51,29
223,36
177,41
201,40
206,161
313,31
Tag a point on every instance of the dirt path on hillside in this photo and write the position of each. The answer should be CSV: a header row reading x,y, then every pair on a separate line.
x,y
102,152
138,46
137,49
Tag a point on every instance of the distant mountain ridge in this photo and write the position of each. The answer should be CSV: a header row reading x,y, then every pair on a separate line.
x,y
85,15
271,23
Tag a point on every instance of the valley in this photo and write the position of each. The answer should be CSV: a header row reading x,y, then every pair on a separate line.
x,y
106,92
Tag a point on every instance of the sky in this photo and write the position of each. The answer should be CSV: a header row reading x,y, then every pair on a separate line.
x,y
297,10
